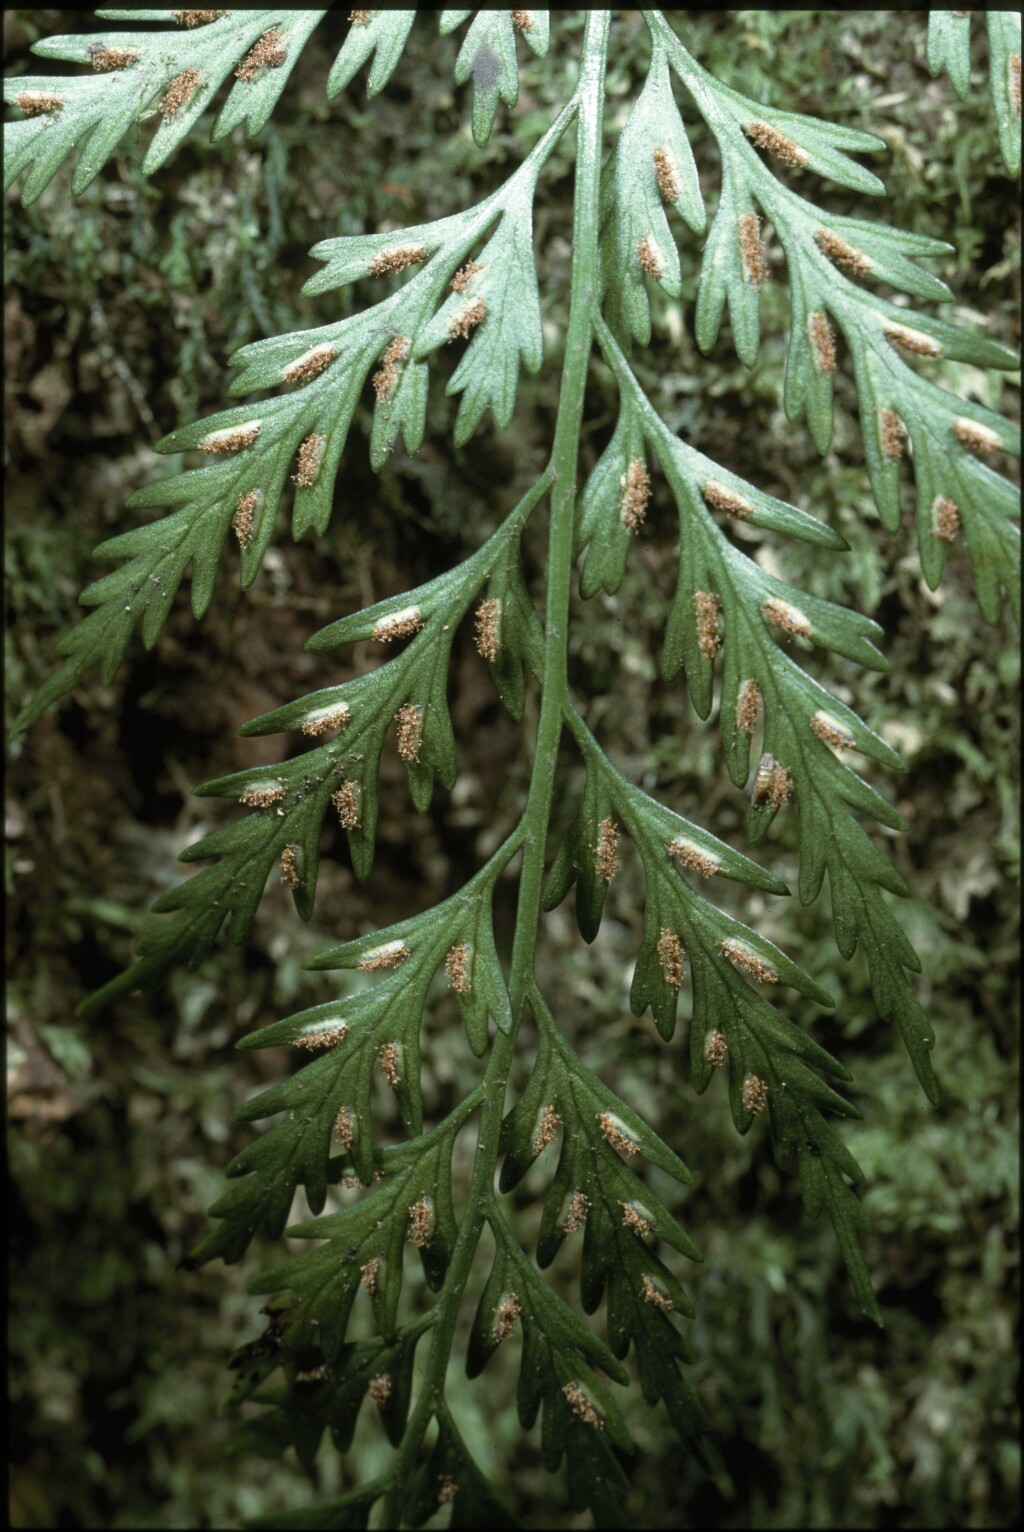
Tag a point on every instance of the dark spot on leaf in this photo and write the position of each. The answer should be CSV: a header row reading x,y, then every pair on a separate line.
x,y
486,68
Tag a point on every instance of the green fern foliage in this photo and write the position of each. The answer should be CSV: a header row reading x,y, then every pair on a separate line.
x,y
949,51
745,642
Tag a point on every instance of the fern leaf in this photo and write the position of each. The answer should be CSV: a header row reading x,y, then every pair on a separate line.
x,y
1004,79
450,1476
383,33
291,801
827,259
731,272
345,1329
653,169
183,68
949,51
299,437
496,302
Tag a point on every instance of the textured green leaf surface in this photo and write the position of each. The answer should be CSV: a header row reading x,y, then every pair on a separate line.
x,y
949,52
350,1332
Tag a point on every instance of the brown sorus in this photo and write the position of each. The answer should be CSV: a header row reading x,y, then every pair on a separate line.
x,y
772,782
325,1037
763,136
112,58
262,797
245,515
547,1126
421,1223
747,703
462,324
670,956
823,340
716,1049
894,434
581,1405
388,956
401,624
464,275
266,53
346,802
831,731
389,1057
650,258
722,499
742,957
911,340
789,618
396,259
653,1292
487,634
974,437
409,719
752,249
665,174
693,858
505,1315
633,1217
196,18
707,607
34,103
945,518
290,874
179,93
231,439
755,1095
455,967
606,852
616,1134
308,460
576,1213
310,365
387,374
636,492
327,720
841,254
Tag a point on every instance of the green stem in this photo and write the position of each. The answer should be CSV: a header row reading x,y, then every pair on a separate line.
x,y
562,470
564,455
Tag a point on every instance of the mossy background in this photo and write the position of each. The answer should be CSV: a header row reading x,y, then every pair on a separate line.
x,y
121,310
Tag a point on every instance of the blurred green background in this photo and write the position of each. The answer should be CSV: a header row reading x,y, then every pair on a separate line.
x,y
120,311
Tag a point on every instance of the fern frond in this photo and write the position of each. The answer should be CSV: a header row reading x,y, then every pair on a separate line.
x,y
828,258
488,54
771,1061
382,33
184,68
290,801
652,169
594,1189
299,436
375,1029
949,51
345,1327
806,729
176,74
